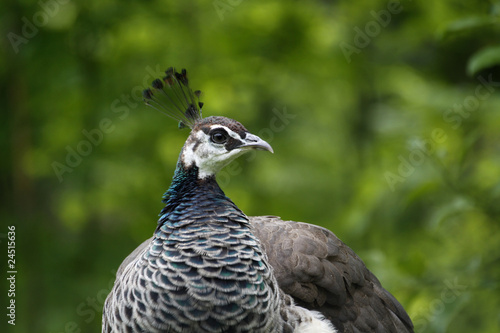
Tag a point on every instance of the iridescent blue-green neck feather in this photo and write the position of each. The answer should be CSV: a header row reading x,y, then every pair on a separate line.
x,y
188,196
184,181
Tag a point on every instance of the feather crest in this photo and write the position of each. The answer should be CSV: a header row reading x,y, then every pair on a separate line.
x,y
173,97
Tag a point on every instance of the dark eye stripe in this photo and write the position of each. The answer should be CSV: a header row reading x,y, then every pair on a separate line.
x,y
233,143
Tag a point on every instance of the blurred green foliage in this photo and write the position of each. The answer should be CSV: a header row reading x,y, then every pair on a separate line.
x,y
384,118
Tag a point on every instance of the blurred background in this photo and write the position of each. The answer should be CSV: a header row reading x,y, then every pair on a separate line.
x,y
384,117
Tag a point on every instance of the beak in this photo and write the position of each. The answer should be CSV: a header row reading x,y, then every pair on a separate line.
x,y
254,142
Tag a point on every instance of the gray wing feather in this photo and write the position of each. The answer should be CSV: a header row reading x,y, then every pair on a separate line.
x,y
322,273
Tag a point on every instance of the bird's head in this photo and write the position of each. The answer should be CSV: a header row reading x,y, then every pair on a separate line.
x,y
214,141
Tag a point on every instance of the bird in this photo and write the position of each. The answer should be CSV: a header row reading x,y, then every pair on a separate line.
x,y
210,268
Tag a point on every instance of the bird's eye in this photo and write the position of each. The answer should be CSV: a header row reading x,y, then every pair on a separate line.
x,y
219,137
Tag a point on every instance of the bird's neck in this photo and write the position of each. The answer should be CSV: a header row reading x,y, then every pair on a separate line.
x,y
190,196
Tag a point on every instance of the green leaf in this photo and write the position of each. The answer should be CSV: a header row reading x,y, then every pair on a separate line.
x,y
468,25
484,58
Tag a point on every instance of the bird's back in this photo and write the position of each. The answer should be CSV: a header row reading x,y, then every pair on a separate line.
x,y
322,273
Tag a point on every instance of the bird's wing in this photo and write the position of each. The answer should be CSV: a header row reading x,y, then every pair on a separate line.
x,y
132,256
322,273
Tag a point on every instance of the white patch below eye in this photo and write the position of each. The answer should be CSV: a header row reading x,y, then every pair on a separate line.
x,y
209,157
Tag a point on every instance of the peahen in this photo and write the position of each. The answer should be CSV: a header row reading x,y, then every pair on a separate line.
x,y
210,268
